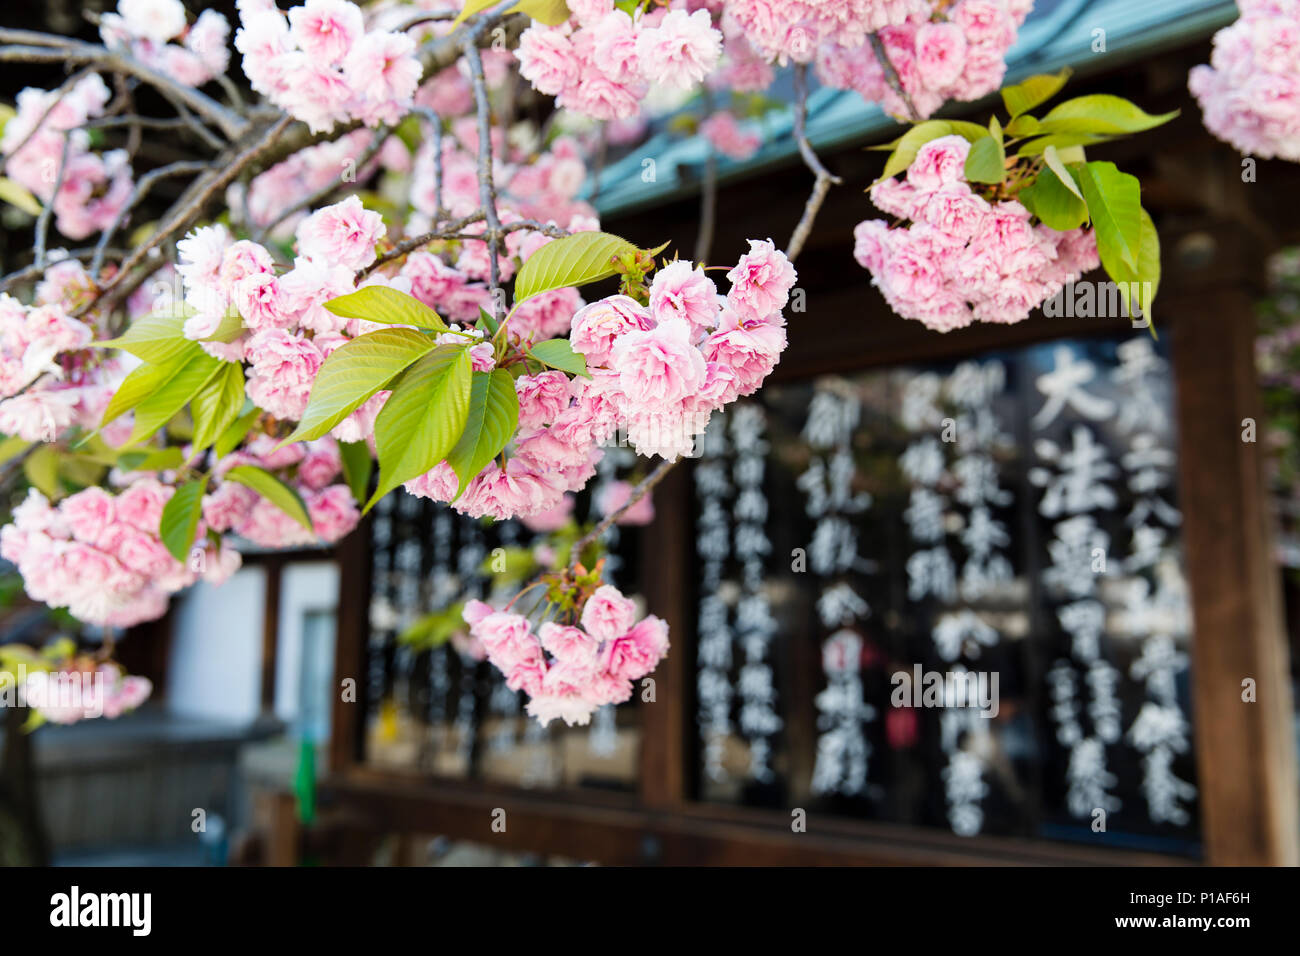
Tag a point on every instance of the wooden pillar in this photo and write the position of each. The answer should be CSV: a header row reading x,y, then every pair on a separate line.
x,y
353,554
666,552
1245,750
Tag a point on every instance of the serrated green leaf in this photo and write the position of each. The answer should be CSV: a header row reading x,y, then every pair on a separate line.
x,y
1056,164
11,446
377,303
283,496
423,418
1053,203
472,7
180,518
218,404
357,465
19,195
1031,92
353,373
1143,279
550,12
1061,141
42,469
491,422
235,433
155,338
1115,205
488,322
986,162
572,261
172,394
150,459
1101,113
558,353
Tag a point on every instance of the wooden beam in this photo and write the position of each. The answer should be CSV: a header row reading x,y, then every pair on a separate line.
x,y
1245,750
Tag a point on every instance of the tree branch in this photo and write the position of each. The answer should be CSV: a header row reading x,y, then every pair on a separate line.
x,y
639,491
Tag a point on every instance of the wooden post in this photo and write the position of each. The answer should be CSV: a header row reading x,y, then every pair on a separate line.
x,y
1245,750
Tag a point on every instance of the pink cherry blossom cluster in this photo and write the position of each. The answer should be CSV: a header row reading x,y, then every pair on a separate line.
x,y
287,332
785,30
658,372
962,258
959,54
323,67
49,379
566,671
1250,92
93,187
728,137
155,32
100,556
312,468
602,61
104,691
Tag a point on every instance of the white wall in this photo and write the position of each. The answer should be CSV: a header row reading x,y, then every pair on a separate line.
x,y
304,588
215,670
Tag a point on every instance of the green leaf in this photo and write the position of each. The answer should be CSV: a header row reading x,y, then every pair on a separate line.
x,y
150,459
423,418
472,7
574,260
155,338
377,303
1054,161
357,465
18,195
1061,141
1138,284
1115,205
1027,94
1054,202
11,446
229,328
172,394
558,353
987,161
42,469
488,321
235,433
218,404
353,373
550,12
274,490
907,146
180,518
491,423
1101,113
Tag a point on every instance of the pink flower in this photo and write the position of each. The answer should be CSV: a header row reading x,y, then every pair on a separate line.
x,y
728,138
608,614
638,652
542,397
508,638
681,290
596,327
333,512
284,366
939,162
326,29
88,513
940,52
571,646
321,463
551,519
141,505
659,367
615,495
681,51
760,281
546,59
343,234
229,506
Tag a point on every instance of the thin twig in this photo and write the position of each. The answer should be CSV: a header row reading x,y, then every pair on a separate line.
x,y
320,195
824,180
487,192
892,77
639,491
59,95
141,190
43,222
